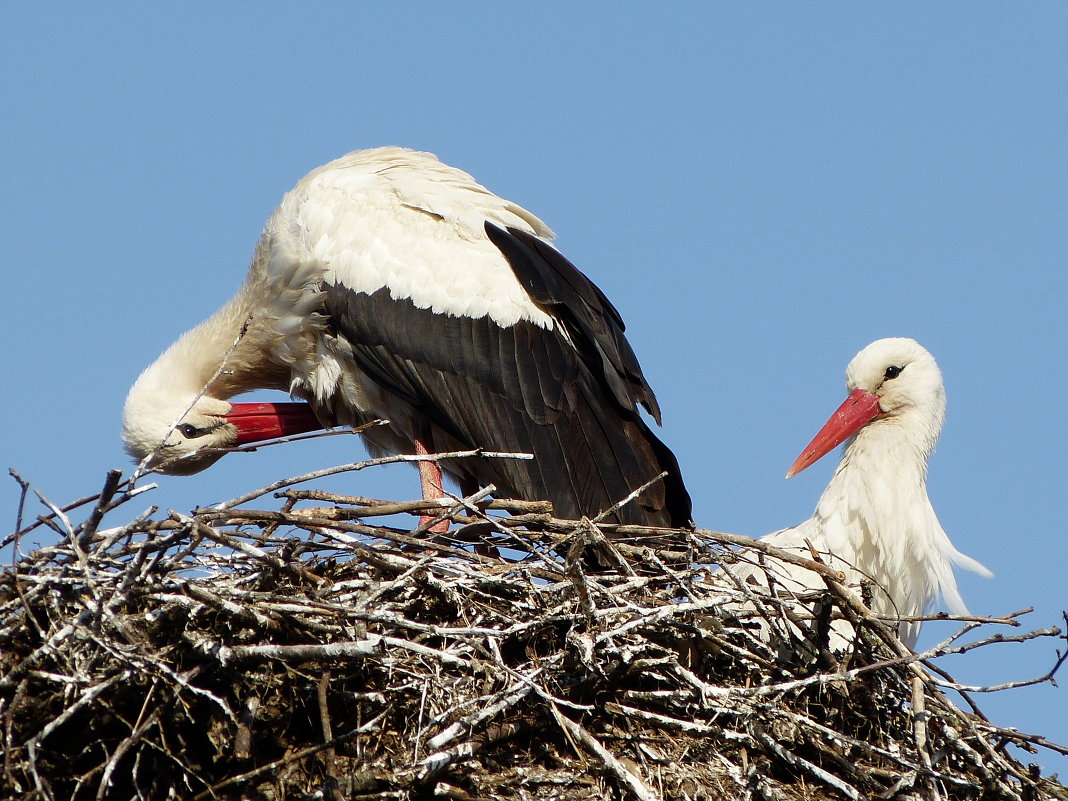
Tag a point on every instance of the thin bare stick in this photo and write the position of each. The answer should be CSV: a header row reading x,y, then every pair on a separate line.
x,y
628,780
373,646
355,466
143,465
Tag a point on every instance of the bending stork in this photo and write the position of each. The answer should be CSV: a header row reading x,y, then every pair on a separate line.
x,y
874,521
390,285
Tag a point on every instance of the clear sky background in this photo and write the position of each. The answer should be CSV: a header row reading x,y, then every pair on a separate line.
x,y
761,189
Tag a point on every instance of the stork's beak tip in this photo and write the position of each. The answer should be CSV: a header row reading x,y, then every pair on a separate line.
x,y
856,411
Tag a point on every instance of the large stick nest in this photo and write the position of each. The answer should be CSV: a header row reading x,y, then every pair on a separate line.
x,y
301,652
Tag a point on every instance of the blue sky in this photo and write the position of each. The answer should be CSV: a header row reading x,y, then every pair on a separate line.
x,y
761,189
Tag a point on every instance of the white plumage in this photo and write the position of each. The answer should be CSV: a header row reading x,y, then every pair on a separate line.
x,y
874,521
401,219
388,284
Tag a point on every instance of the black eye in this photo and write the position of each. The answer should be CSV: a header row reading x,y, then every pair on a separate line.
x,y
190,431
893,371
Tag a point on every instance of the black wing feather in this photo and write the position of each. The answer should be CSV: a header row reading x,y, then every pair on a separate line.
x,y
562,290
523,388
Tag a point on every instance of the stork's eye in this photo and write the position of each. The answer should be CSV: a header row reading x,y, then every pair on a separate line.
x,y
192,432
893,371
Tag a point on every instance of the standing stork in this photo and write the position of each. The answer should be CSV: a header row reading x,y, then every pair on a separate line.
x,y
874,521
390,285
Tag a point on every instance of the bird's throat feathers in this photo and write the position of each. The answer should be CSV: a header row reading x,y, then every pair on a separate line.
x,y
883,469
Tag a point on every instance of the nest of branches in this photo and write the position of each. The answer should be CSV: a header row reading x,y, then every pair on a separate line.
x,y
320,649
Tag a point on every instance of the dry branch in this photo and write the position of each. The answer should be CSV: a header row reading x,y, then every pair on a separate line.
x,y
306,651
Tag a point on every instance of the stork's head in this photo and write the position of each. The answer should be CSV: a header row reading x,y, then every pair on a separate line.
x,y
893,379
182,434
901,374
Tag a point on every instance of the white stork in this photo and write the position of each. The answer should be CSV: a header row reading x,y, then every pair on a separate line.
x,y
390,285
874,521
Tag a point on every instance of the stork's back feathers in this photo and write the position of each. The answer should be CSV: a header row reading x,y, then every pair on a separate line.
x,y
388,284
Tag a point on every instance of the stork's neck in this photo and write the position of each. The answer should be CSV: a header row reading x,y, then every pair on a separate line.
x,y
896,444
875,513
885,466
232,335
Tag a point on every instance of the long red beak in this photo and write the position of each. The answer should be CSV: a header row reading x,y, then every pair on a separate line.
x,y
256,422
859,409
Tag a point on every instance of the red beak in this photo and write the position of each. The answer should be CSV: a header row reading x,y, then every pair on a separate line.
x,y
256,422
859,409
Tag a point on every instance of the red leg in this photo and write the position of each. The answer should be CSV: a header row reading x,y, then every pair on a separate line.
x,y
431,481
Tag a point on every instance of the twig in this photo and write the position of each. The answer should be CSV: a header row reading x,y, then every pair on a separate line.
x,y
88,529
356,466
919,728
507,698
815,771
329,754
143,466
373,646
628,780
24,488
611,510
